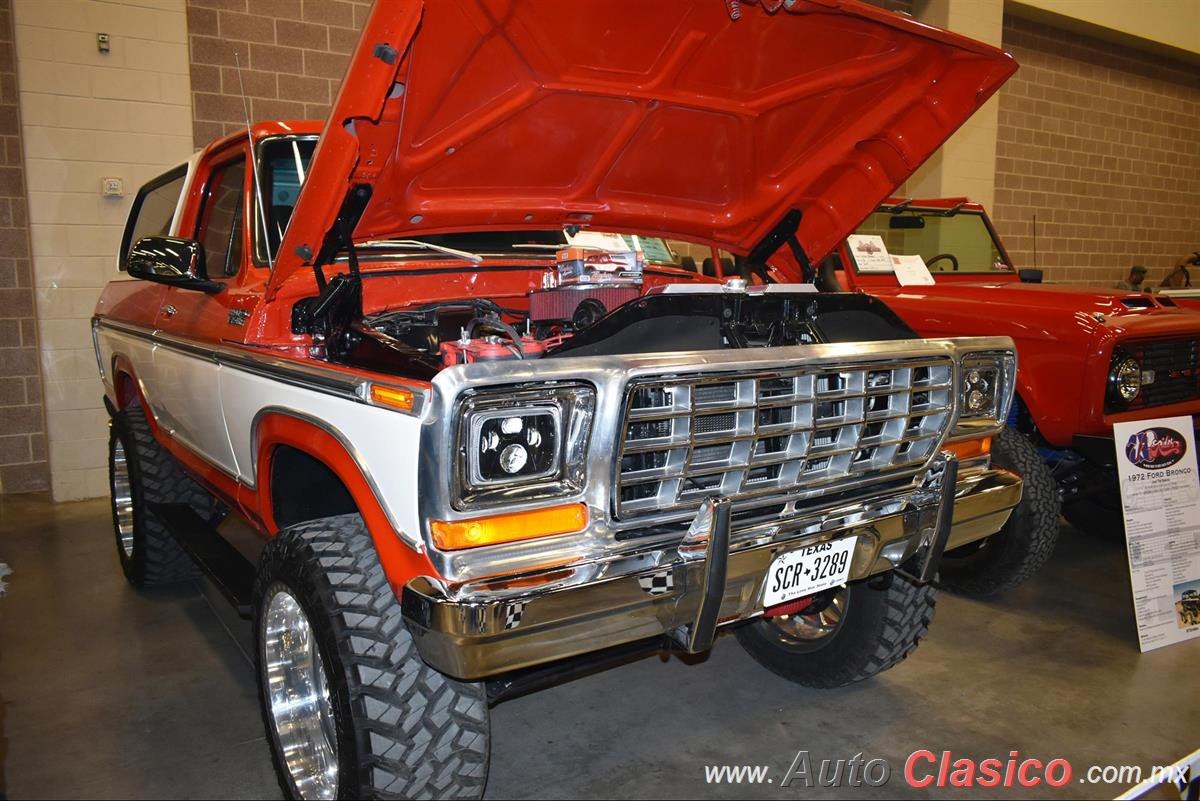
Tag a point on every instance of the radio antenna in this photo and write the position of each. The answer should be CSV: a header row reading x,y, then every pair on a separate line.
x,y
262,210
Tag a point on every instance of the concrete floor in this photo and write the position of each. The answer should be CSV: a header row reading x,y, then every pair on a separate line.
x,y
106,692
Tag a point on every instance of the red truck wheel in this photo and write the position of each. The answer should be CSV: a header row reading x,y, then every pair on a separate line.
x,y
350,709
141,474
1013,554
866,628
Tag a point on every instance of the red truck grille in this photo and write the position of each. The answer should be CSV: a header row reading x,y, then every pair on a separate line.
x,y
1176,367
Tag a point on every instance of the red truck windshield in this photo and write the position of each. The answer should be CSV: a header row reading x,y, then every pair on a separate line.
x,y
946,240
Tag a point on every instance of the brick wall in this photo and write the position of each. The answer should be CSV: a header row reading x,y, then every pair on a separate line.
x,y
293,54
23,466
87,115
1102,142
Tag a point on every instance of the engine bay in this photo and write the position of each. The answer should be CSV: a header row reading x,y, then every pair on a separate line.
x,y
423,340
589,302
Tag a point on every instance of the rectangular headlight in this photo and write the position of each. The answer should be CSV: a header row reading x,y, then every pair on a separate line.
x,y
522,445
514,445
986,388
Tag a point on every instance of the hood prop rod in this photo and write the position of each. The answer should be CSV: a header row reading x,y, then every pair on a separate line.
x,y
338,303
783,232
340,234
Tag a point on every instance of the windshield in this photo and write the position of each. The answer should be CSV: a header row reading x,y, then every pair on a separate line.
x,y
946,240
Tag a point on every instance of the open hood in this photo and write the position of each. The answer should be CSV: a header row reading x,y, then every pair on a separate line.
x,y
646,117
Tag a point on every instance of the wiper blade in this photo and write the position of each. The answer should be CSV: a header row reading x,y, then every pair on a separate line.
x,y
416,243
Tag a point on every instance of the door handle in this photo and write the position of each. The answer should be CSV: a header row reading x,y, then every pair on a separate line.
x,y
169,310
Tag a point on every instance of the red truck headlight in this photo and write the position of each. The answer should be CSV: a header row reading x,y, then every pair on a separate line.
x,y
1124,380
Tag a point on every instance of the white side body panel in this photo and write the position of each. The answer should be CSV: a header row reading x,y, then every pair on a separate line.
x,y
188,404
212,409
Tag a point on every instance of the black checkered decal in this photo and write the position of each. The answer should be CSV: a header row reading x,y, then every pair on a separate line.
x,y
657,583
512,614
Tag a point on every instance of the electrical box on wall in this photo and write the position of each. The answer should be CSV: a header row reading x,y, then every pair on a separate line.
x,y
112,187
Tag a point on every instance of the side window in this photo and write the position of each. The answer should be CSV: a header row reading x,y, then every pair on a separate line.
x,y
221,220
153,210
282,169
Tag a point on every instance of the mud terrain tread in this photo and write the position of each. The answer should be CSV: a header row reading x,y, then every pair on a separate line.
x,y
160,479
1027,540
418,733
863,648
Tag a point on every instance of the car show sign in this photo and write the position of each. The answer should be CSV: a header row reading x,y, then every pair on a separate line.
x,y
1160,496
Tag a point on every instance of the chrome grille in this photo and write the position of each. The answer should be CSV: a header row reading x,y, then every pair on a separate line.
x,y
776,433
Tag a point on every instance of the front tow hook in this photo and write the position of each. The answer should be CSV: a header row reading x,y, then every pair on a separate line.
x,y
709,531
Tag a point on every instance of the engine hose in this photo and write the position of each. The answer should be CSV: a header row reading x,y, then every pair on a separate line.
x,y
497,324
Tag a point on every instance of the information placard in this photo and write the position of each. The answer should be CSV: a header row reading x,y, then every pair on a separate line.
x,y
1160,495
869,252
911,271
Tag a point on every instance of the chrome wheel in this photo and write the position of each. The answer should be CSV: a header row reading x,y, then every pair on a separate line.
x,y
298,698
122,496
810,626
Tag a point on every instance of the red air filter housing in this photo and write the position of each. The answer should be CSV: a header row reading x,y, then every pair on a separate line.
x,y
490,349
558,305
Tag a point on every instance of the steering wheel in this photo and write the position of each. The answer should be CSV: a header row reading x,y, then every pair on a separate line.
x,y
940,256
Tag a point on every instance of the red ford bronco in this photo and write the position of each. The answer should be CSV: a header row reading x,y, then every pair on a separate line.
x,y
1088,357
484,430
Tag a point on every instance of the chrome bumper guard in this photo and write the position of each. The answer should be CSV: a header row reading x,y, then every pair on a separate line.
x,y
705,584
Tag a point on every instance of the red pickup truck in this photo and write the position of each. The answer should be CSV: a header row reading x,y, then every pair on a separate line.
x,y
1088,357
413,388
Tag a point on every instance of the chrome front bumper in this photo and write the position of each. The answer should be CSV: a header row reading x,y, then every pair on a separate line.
x,y
469,638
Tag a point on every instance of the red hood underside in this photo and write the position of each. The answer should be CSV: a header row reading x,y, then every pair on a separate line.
x,y
648,117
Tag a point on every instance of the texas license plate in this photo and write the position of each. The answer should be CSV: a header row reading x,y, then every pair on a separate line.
x,y
808,570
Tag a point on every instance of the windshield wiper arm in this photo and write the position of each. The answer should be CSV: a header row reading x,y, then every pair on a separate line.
x,y
416,243
950,212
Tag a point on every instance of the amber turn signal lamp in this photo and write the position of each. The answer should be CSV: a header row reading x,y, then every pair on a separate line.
x,y
459,534
394,397
969,449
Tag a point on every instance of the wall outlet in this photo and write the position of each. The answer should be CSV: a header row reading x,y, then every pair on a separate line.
x,y
112,187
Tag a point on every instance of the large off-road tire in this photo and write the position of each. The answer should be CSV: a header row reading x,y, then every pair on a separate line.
x,y
854,633
350,708
1017,551
142,473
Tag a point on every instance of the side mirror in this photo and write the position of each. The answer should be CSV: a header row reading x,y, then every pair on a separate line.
x,y
171,261
1030,276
